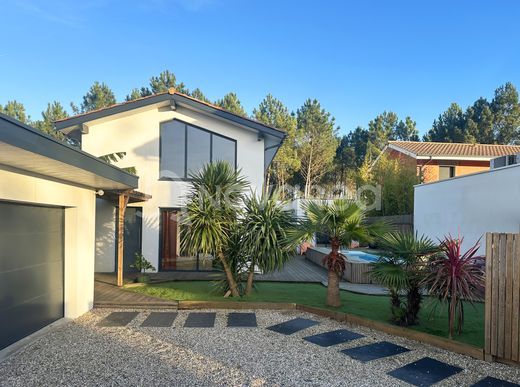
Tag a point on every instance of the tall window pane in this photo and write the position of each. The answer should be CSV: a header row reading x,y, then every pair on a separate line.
x,y
198,150
223,150
172,163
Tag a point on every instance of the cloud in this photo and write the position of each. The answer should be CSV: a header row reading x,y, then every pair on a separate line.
x,y
58,12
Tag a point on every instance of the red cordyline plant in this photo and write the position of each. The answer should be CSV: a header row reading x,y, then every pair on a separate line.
x,y
455,278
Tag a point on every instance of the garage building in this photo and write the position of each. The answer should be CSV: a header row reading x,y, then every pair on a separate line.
x,y
47,228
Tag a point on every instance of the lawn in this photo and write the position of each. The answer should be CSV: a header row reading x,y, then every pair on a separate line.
x,y
372,307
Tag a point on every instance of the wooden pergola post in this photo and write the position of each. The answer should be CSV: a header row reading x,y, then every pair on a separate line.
x,y
123,202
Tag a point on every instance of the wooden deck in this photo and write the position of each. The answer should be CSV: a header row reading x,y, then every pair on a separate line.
x,y
298,269
109,295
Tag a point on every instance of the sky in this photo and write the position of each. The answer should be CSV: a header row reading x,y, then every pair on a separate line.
x,y
358,58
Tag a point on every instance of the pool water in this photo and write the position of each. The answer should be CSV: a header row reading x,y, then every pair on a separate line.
x,y
361,255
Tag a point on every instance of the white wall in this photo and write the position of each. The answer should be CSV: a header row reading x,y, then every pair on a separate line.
x,y
138,135
79,231
470,205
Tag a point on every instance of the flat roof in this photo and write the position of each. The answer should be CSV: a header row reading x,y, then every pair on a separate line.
x,y
27,149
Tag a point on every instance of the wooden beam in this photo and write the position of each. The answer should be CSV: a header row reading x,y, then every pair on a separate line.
x,y
123,201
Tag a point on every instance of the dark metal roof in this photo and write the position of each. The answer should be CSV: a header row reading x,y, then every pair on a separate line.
x,y
181,99
29,149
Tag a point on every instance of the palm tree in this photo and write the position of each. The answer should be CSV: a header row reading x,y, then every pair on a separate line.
x,y
211,214
344,221
264,229
401,269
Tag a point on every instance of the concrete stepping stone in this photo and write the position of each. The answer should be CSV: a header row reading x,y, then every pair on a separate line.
x,y
293,326
425,372
200,320
328,339
160,319
489,381
242,320
374,351
118,319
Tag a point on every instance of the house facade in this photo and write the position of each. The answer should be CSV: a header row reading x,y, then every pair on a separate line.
x,y
439,161
48,195
167,137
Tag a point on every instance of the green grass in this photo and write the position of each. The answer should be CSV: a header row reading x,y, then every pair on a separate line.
x,y
371,307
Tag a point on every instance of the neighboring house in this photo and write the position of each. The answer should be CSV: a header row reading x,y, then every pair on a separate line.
x,y
47,229
470,205
166,137
438,160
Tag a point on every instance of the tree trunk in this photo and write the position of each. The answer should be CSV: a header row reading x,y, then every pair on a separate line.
x,y
413,305
229,276
250,278
333,298
267,181
308,178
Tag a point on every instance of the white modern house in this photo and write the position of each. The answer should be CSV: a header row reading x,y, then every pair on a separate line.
x,y
471,205
47,229
166,137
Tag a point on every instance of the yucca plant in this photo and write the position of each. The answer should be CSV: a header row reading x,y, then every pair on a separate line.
x,y
212,211
401,268
264,229
344,221
454,277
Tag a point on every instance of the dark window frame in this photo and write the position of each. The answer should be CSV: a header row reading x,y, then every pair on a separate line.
x,y
186,124
452,173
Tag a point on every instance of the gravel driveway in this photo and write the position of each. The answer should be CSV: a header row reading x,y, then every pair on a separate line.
x,y
81,353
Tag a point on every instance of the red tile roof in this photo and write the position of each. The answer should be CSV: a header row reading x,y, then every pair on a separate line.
x,y
437,149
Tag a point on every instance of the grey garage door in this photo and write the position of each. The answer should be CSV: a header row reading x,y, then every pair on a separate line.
x,y
31,269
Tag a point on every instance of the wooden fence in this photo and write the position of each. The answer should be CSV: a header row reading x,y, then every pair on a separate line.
x,y
402,223
502,313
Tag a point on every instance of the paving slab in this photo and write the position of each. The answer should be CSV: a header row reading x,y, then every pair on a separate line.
x,y
374,351
425,372
489,381
160,319
241,320
328,339
293,326
118,319
200,320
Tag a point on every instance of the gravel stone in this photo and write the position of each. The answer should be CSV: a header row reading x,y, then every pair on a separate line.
x,y
81,353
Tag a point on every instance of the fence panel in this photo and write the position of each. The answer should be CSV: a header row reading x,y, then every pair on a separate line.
x,y
502,312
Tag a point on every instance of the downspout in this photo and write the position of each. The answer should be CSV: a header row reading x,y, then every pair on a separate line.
x,y
425,164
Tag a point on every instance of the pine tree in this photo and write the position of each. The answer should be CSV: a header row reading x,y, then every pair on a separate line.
x,y
317,142
273,112
165,81
55,111
15,110
506,114
231,103
198,94
138,93
99,96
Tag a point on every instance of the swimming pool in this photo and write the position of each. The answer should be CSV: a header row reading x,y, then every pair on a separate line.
x,y
360,255
353,255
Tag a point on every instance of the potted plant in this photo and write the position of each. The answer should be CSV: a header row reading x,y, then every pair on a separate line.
x,y
142,264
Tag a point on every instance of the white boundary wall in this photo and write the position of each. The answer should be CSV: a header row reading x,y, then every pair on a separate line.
x,y
470,205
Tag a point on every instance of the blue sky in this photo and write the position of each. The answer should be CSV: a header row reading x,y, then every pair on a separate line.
x,y
358,58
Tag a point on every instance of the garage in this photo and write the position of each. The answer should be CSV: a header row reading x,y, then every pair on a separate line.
x,y
48,193
31,269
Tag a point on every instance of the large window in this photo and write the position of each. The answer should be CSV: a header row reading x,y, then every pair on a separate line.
x,y
186,148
